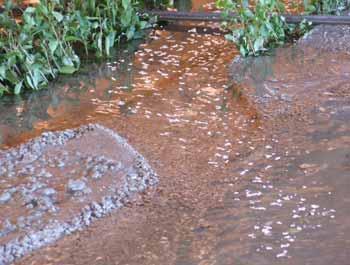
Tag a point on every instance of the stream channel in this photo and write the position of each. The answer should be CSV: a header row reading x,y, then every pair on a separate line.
x,y
248,160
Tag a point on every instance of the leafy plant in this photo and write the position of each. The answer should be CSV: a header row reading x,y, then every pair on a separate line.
x,y
99,24
325,6
257,28
43,42
35,50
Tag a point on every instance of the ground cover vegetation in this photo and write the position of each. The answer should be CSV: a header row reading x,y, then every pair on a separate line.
x,y
259,25
47,39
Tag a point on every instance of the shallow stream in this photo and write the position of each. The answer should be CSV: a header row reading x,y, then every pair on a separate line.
x,y
252,156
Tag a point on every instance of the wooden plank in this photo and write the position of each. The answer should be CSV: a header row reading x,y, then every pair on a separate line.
x,y
218,16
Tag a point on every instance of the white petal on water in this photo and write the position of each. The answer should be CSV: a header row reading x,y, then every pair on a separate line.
x,y
266,230
282,254
252,194
244,172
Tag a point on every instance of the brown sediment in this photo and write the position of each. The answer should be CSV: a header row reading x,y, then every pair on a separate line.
x,y
255,175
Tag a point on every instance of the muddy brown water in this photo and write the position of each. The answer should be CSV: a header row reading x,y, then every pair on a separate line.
x,y
253,157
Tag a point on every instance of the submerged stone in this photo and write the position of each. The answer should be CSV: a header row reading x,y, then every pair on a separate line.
x,y
307,73
5,197
76,186
91,160
48,192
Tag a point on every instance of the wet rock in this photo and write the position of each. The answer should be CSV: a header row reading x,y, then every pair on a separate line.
x,y
75,186
121,103
328,38
286,97
46,168
307,166
5,197
32,203
49,192
7,227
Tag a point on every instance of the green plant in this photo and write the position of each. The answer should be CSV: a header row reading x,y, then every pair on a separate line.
x,y
325,6
99,24
255,29
35,50
43,43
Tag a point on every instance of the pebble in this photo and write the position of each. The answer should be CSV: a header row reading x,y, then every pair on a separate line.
x,y
76,186
5,197
286,97
306,166
49,192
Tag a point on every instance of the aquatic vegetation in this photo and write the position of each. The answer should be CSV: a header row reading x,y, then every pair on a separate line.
x,y
325,6
99,24
45,40
259,27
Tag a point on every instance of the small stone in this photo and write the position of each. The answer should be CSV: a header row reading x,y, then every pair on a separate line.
x,y
5,197
286,97
48,192
8,227
76,186
306,166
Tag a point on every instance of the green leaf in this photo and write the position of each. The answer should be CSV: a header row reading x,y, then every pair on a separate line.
x,y
144,24
73,39
67,61
229,37
243,50
3,71
68,69
130,33
107,46
3,89
99,42
18,88
258,44
58,16
126,18
109,42
53,44
29,10
126,4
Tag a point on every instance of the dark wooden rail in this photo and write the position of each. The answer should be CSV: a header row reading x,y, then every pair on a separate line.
x,y
217,16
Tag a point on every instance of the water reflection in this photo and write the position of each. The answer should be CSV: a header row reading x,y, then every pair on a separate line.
x,y
294,192
67,96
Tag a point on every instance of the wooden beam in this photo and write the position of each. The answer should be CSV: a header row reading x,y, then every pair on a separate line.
x,y
218,16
